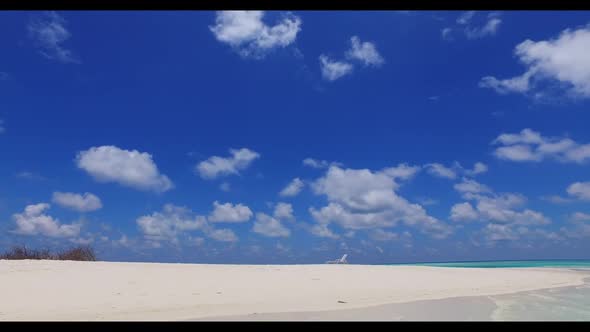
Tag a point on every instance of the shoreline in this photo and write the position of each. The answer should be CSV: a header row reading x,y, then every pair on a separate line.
x,y
467,308
66,290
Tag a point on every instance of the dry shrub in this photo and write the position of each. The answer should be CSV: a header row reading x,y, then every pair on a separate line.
x,y
81,253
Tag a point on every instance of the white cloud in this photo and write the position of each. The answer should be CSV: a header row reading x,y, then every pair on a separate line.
x,y
332,69
48,31
250,36
80,202
362,199
495,232
365,52
223,235
314,163
168,224
219,166
381,235
402,171
129,168
478,168
580,190
465,17
507,232
489,29
283,211
530,146
174,221
293,188
230,213
499,208
123,241
556,199
562,59
33,221
519,84
322,230
441,171
465,21
580,216
471,186
269,226
463,212
446,33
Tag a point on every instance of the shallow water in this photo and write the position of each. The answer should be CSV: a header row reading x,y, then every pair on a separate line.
x,y
563,304
505,264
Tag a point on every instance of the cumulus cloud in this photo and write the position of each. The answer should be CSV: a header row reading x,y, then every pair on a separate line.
x,y
463,212
228,212
471,186
215,166
129,168
402,171
283,211
293,188
511,232
332,69
531,146
175,221
34,221
246,32
499,208
223,235
580,190
441,171
478,168
269,226
168,224
322,230
362,199
80,202
48,32
562,59
365,52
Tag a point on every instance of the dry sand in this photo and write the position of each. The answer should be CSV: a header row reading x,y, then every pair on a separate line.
x,y
62,290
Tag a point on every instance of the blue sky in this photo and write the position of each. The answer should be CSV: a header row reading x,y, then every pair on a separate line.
x,y
275,137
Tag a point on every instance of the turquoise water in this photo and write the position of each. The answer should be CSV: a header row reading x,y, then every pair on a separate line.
x,y
499,264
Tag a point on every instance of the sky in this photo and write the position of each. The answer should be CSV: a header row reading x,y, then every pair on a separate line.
x,y
296,137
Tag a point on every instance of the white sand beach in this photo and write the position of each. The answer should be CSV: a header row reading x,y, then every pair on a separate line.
x,y
66,290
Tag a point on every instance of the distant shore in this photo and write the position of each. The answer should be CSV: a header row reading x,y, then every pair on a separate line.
x,y
67,290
